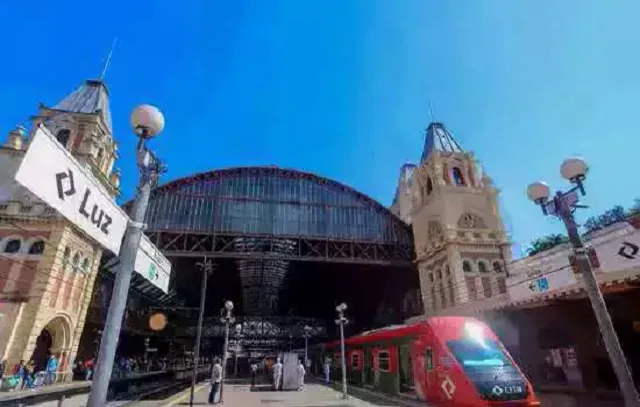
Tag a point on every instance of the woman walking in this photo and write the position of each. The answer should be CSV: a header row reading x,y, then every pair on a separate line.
x,y
216,380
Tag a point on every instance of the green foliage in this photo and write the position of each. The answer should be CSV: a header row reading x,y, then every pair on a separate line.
x,y
635,209
613,215
545,243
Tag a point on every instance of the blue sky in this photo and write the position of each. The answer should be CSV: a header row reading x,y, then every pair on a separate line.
x,y
342,88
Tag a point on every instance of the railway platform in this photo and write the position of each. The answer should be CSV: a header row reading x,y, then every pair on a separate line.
x,y
241,395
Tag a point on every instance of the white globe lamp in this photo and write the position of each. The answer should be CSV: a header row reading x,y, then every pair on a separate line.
x,y
574,169
538,192
147,121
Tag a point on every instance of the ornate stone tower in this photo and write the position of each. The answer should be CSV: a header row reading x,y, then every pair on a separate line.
x,y
460,240
47,267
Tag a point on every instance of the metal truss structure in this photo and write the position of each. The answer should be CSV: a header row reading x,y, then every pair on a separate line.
x,y
266,217
261,329
300,248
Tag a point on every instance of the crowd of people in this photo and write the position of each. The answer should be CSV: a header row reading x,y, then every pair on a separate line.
x,y
29,376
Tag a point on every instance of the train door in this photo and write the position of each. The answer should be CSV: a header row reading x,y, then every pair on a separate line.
x,y
368,367
406,371
424,369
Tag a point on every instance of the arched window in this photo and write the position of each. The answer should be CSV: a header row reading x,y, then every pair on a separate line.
x,y
482,267
429,186
37,247
65,256
466,267
447,272
431,277
13,246
497,267
85,265
63,137
458,178
76,260
99,156
439,274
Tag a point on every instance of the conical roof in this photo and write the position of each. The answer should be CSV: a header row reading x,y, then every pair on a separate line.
x,y
438,138
92,97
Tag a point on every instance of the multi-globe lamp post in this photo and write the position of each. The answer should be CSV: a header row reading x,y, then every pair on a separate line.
x,y
306,331
342,321
147,122
227,319
238,348
562,205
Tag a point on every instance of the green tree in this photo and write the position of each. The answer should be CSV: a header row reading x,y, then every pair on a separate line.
x,y
545,243
635,209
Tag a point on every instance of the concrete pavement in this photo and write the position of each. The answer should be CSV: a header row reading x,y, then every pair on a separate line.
x,y
314,395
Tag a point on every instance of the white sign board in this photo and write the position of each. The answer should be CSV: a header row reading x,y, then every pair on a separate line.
x,y
621,253
51,173
152,265
523,287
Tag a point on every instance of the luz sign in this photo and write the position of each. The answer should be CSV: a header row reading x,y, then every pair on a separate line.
x,y
50,172
152,264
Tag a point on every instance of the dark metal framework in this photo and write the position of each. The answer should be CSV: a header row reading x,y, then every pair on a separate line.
x,y
313,217
271,328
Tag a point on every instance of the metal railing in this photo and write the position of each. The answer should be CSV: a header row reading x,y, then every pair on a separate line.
x,y
122,391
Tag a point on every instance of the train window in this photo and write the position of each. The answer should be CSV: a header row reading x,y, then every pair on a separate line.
x,y
355,361
383,361
474,354
428,359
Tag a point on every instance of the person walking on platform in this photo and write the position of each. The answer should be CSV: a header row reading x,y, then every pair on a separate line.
x,y
52,368
88,365
277,374
254,372
327,371
301,373
216,380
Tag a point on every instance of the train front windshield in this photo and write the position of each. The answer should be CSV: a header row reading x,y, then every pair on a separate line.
x,y
488,367
473,353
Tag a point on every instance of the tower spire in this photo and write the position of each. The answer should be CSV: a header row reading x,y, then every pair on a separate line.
x,y
108,61
438,138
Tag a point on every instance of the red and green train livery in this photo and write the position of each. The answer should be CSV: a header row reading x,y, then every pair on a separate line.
x,y
445,361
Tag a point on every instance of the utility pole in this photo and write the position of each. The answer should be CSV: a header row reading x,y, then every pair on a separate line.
x,y
207,267
147,122
562,205
307,333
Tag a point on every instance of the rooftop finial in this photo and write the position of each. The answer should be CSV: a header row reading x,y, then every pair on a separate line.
x,y
431,112
106,63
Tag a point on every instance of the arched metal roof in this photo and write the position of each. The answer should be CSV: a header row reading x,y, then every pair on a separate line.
x,y
272,201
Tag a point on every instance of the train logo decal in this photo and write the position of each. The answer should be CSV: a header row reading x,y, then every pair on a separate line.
x,y
499,390
448,387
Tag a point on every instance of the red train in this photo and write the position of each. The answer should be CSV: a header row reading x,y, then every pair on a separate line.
x,y
445,361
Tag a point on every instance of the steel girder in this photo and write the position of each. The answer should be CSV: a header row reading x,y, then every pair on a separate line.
x,y
262,328
189,244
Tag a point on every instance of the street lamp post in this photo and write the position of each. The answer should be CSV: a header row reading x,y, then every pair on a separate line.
x,y
562,205
342,321
307,333
207,267
147,122
227,319
238,348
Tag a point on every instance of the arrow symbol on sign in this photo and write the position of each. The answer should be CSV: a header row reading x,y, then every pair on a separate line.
x,y
60,177
532,287
628,250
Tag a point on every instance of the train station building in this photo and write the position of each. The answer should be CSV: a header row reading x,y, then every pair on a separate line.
x,y
287,246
